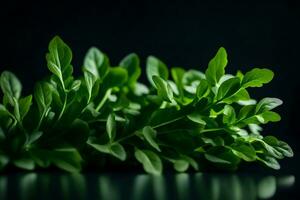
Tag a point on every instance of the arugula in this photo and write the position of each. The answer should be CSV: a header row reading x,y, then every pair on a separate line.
x,y
188,119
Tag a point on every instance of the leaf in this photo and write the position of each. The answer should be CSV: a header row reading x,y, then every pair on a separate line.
x,y
244,151
280,146
163,89
150,161
67,159
96,63
197,118
111,127
10,86
257,77
150,136
115,149
59,60
268,116
43,96
118,151
24,105
116,77
228,88
34,136
132,64
216,67
155,67
181,165
177,75
229,115
269,161
267,104
202,89
25,163
4,160
221,155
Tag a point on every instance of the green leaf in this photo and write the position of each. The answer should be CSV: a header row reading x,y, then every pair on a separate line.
x,y
203,89
10,86
96,63
59,60
267,104
197,118
228,88
280,146
150,136
118,151
222,155
25,163
116,77
177,75
268,116
244,151
150,161
132,64
43,96
181,165
24,105
155,67
111,127
34,136
229,116
269,161
115,149
164,90
257,77
216,67
67,159
4,160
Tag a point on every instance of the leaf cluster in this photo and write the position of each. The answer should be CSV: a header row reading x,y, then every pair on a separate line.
x,y
183,118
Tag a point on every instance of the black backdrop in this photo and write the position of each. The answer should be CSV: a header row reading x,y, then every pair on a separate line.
x,y
181,33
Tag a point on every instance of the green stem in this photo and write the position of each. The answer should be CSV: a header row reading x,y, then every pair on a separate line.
x,y
63,108
100,105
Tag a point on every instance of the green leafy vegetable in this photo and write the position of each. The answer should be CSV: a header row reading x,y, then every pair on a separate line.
x,y
190,120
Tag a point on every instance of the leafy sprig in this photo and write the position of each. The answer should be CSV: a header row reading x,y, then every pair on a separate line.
x,y
184,118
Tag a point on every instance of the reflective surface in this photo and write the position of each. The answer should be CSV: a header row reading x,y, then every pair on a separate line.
x,y
133,186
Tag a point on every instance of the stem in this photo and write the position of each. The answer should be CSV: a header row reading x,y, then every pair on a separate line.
x,y
106,95
63,108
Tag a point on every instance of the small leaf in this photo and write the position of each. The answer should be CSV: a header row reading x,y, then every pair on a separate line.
x,y
257,77
181,165
202,89
132,64
59,60
228,88
229,115
43,96
244,151
67,159
269,161
164,90
151,162
216,67
10,86
25,163
118,151
150,135
197,118
155,67
24,105
116,77
267,104
96,63
111,127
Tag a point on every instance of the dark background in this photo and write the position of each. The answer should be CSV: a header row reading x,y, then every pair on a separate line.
x,y
181,33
